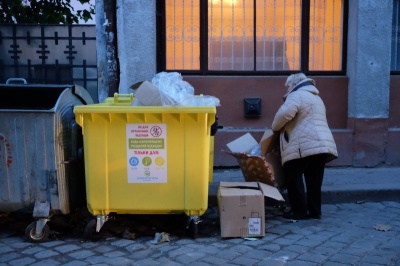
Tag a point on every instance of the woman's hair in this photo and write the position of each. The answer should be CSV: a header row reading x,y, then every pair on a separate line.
x,y
294,79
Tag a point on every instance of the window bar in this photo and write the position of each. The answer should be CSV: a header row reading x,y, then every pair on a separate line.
x,y
313,34
221,38
284,37
203,33
211,31
232,38
70,52
173,36
273,38
294,36
264,35
30,74
15,51
254,36
333,34
83,38
55,38
342,5
305,35
243,36
57,69
43,52
192,38
324,36
183,35
84,74
396,35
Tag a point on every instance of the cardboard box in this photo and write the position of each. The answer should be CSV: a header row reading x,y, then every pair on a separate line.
x,y
241,208
243,144
265,168
147,95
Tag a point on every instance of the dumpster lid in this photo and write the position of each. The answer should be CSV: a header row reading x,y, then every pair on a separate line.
x,y
30,96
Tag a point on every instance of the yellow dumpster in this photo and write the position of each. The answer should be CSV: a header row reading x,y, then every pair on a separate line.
x,y
146,160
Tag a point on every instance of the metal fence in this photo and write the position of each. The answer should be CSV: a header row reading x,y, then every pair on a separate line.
x,y
50,54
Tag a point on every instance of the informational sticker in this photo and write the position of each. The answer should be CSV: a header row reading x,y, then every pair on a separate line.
x,y
254,226
146,153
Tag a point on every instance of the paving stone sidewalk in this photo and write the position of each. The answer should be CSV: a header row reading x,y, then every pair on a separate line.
x,y
360,226
364,233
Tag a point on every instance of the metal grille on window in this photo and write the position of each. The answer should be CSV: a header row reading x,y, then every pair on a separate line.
x,y
231,42
232,35
278,35
260,35
326,24
50,54
183,34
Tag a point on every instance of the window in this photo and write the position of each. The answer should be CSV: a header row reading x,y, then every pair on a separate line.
x,y
395,60
252,36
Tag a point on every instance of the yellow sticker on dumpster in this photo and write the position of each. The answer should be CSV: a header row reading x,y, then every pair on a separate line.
x,y
147,153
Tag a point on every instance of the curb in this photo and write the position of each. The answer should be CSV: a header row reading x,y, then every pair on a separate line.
x,y
341,185
346,196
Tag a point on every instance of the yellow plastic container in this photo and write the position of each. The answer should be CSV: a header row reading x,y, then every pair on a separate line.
x,y
146,159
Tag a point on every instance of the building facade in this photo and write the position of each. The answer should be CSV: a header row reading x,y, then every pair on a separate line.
x,y
357,77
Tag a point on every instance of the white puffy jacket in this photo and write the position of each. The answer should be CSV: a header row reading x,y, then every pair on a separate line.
x,y
303,127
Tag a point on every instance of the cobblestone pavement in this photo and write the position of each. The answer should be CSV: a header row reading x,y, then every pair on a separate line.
x,y
361,233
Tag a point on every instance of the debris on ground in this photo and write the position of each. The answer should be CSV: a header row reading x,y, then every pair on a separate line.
x,y
160,237
128,235
383,227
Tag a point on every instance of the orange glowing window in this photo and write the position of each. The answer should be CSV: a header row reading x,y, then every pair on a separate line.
x,y
183,34
261,35
326,29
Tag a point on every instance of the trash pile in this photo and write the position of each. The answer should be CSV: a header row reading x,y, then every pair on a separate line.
x,y
259,161
169,89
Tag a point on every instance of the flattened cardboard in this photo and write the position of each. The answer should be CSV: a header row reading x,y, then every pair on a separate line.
x,y
241,208
269,142
275,162
271,192
147,95
243,144
270,149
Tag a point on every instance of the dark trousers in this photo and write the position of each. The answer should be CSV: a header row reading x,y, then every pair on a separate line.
x,y
312,167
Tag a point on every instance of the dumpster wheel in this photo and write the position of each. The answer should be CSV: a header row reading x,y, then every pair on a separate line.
x,y
30,233
90,231
193,226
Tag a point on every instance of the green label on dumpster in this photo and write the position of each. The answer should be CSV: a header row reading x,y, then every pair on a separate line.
x,y
146,153
147,144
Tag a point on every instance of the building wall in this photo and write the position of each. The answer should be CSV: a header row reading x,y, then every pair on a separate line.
x,y
233,90
136,29
392,152
368,69
362,107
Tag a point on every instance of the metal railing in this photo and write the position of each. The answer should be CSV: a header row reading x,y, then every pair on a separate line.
x,y
49,54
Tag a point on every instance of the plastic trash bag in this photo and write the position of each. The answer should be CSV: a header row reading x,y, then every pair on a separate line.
x,y
206,100
256,150
174,91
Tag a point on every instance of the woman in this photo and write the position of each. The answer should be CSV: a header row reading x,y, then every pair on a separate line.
x,y
306,144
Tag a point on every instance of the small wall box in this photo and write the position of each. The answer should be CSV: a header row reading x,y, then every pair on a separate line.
x,y
252,107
